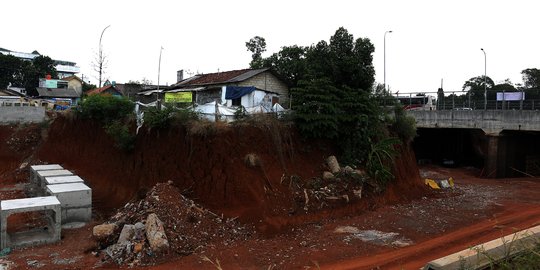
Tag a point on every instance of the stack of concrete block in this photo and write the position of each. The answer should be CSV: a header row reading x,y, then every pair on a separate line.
x,y
75,200
35,168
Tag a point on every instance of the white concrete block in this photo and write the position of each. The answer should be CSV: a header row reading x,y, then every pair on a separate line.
x,y
75,199
47,167
40,175
76,214
28,203
51,206
72,194
55,180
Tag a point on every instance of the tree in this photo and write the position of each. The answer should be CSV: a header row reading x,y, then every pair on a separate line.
x,y
475,88
505,85
38,68
256,45
25,73
531,78
10,70
87,87
289,62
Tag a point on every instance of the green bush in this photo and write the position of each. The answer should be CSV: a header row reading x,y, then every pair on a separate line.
x,y
156,118
404,125
105,108
120,133
184,115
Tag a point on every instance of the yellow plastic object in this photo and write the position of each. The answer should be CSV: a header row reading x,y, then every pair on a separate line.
x,y
431,183
451,181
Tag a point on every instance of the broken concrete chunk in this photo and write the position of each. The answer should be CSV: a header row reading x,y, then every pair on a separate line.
x,y
156,234
103,231
327,176
348,170
128,232
333,164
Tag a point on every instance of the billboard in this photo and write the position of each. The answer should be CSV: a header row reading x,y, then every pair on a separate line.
x,y
178,97
510,96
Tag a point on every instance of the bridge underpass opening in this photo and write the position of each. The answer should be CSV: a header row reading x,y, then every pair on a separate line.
x,y
450,147
506,154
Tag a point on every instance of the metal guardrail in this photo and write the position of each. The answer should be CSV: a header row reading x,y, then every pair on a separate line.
x,y
459,100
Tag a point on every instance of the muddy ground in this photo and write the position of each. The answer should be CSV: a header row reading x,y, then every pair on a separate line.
x,y
403,228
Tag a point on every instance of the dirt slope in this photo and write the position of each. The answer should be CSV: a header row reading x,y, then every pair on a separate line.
x,y
209,166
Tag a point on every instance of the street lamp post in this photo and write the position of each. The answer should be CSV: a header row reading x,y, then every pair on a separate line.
x,y
485,79
385,58
158,73
159,67
100,64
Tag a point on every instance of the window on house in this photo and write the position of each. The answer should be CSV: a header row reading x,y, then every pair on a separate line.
x,y
237,101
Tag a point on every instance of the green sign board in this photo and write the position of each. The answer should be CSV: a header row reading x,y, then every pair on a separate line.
x,y
178,97
51,84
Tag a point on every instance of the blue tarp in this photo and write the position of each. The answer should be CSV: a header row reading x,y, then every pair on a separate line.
x,y
234,92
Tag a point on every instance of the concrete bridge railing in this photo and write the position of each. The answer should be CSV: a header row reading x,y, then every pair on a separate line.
x,y
491,121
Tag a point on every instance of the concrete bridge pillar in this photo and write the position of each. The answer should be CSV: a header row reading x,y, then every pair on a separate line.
x,y
496,156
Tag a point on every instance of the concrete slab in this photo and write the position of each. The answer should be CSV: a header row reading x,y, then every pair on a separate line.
x,y
46,167
21,205
55,180
50,205
76,201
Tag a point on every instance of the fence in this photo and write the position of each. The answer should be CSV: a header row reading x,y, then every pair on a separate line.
x,y
459,100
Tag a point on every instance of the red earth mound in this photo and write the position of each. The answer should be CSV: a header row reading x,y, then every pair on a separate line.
x,y
208,165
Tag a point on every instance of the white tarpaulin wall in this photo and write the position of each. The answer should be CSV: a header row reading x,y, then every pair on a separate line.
x,y
208,110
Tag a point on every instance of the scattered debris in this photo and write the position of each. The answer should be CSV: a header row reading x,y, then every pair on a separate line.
x,y
346,229
440,184
165,221
378,237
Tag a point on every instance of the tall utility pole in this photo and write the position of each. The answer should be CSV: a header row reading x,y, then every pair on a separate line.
x,y
385,58
101,60
485,78
159,67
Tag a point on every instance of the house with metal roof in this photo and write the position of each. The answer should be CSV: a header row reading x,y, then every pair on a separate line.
x,y
62,98
246,87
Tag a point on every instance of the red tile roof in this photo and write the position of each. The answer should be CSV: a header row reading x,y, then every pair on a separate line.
x,y
101,90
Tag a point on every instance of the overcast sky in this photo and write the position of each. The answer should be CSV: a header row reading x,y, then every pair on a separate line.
x,y
431,40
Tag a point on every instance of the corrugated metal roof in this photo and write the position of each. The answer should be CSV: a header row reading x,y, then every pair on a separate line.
x,y
219,78
57,92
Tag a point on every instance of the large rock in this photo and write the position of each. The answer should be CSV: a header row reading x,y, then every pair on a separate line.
x,y
155,234
127,234
103,231
333,164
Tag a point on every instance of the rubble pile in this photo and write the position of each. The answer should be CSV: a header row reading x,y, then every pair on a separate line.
x,y
335,186
164,224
